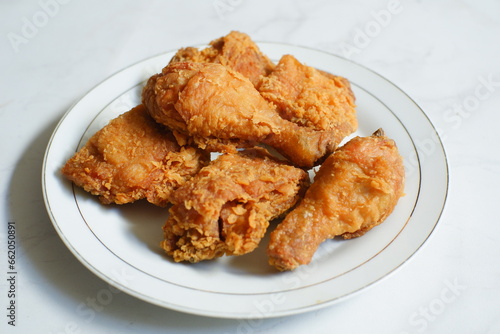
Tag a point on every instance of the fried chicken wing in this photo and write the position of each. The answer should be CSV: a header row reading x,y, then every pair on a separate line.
x,y
219,109
132,158
227,206
311,98
236,50
355,189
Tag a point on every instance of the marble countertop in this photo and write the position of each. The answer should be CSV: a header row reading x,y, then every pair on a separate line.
x,y
443,54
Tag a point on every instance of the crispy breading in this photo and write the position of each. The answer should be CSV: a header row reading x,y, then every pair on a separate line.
x,y
227,206
236,50
132,158
229,97
355,189
311,98
220,110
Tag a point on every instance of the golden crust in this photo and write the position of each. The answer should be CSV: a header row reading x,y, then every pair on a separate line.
x,y
132,158
236,51
227,206
310,98
229,96
219,109
354,190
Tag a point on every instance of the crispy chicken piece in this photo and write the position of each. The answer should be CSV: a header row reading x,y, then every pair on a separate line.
x,y
132,158
310,97
219,109
227,206
355,189
236,51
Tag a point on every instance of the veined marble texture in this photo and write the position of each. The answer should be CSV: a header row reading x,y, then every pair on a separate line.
x,y
443,54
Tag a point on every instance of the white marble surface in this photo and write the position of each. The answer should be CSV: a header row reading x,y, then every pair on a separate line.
x,y
444,54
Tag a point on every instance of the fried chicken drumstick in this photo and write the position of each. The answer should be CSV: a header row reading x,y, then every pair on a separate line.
x,y
132,158
219,109
227,206
355,189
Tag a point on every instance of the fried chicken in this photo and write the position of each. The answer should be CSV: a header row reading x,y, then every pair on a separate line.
x,y
231,98
355,189
236,50
311,98
227,206
219,109
132,158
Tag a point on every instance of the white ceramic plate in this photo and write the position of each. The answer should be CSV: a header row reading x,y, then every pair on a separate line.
x,y
120,244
